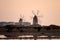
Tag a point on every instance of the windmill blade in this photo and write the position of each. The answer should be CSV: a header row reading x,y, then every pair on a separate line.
x,y
31,17
37,12
33,12
40,21
21,16
40,16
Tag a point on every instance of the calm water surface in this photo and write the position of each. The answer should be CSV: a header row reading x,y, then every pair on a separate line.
x,y
2,36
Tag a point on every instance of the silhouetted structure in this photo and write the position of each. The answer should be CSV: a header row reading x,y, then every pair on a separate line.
x,y
25,28
35,20
20,21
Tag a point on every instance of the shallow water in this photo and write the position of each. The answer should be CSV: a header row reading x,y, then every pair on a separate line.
x,y
2,36
29,39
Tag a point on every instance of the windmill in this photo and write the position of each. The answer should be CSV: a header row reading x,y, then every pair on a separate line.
x,y
21,19
35,18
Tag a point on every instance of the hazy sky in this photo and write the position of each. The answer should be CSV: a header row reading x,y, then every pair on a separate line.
x,y
10,10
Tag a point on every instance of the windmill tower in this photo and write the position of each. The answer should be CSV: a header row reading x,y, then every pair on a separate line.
x,y
21,20
35,18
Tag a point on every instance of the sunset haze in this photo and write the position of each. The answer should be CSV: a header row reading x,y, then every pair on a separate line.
x,y
10,10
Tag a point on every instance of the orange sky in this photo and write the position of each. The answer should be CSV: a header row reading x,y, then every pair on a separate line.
x,y
10,10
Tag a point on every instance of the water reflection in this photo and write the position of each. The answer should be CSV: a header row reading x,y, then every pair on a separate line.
x,y
2,36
